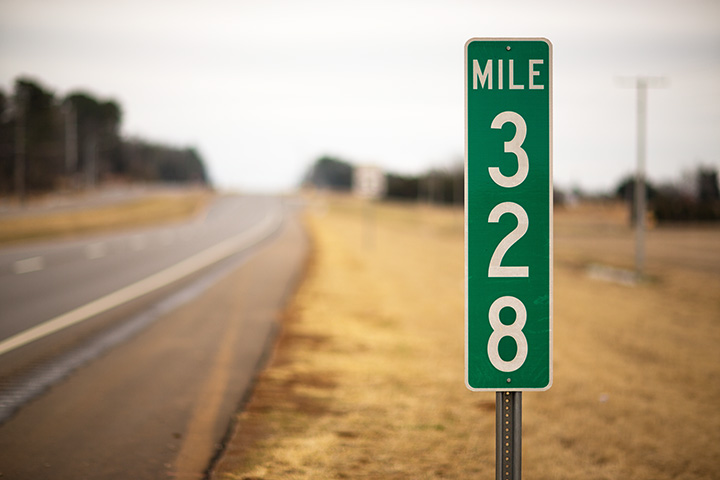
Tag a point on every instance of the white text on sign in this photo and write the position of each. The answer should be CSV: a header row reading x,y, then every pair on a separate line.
x,y
486,75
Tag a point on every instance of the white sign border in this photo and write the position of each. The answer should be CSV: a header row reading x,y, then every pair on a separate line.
x,y
551,205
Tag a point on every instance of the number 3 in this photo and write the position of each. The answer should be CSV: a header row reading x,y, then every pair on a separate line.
x,y
513,146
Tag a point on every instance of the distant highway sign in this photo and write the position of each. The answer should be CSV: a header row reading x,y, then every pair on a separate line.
x,y
369,182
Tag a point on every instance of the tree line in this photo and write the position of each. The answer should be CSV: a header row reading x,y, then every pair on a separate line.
x,y
74,142
696,197
443,186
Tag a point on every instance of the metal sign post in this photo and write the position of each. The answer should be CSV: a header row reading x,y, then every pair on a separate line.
x,y
508,229
508,435
641,84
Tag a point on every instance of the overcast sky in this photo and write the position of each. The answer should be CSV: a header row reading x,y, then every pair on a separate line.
x,y
262,88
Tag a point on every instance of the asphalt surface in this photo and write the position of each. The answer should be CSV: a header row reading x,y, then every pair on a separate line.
x,y
143,384
40,282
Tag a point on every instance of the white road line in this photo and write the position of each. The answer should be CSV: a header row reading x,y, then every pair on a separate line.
x,y
32,264
95,250
158,280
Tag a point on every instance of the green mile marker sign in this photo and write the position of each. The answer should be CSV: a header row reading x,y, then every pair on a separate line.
x,y
508,214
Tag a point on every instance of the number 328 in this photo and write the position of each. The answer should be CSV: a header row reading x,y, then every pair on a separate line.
x,y
495,268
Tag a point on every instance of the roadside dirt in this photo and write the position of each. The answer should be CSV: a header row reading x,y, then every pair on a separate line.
x,y
367,381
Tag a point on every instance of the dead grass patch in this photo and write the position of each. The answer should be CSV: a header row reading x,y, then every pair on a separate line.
x,y
368,380
137,212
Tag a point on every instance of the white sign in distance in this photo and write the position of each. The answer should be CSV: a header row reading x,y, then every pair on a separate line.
x,y
369,182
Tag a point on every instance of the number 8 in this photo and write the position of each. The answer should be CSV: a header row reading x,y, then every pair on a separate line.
x,y
514,330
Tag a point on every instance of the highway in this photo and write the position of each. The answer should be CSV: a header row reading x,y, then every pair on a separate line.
x,y
125,355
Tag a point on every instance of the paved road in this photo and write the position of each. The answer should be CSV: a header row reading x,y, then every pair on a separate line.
x,y
187,339
41,282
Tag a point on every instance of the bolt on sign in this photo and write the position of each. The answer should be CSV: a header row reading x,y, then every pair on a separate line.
x,y
508,214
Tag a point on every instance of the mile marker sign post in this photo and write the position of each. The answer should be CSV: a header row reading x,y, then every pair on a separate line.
x,y
508,228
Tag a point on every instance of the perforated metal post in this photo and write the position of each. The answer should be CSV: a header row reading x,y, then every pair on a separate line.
x,y
508,448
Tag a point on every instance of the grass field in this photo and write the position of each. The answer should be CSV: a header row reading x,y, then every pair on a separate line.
x,y
368,378
146,210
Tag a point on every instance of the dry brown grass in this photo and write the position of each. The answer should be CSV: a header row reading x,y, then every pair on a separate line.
x,y
137,212
367,381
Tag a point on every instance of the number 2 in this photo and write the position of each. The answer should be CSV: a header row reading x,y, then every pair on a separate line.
x,y
496,269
